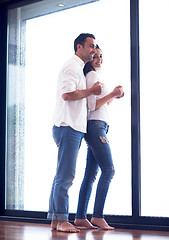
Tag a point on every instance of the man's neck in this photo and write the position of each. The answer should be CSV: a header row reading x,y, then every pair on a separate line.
x,y
80,57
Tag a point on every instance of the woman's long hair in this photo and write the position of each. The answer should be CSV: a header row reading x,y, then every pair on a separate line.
x,y
88,66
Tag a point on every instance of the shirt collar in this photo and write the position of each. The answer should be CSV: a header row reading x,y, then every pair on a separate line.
x,y
79,60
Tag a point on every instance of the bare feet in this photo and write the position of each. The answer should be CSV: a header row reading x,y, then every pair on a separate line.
x,y
101,222
63,227
84,223
54,224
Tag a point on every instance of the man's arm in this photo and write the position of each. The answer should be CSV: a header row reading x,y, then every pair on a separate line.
x,y
96,89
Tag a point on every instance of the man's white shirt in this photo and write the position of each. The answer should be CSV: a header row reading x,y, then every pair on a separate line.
x,y
71,113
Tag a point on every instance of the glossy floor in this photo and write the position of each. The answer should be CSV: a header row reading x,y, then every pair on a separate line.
x,y
29,231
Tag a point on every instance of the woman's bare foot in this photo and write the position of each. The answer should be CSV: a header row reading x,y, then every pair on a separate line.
x,y
101,222
63,227
84,223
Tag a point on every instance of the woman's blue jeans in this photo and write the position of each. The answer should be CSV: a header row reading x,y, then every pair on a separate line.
x,y
98,155
68,141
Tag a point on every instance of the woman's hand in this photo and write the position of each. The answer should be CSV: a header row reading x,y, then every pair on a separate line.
x,y
118,92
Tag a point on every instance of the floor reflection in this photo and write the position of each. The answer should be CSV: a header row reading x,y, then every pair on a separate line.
x,y
110,235
93,235
27,231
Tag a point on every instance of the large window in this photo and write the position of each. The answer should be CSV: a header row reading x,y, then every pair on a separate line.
x,y
36,38
154,84
38,46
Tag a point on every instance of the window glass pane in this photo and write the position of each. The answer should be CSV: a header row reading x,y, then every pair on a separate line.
x,y
47,42
154,84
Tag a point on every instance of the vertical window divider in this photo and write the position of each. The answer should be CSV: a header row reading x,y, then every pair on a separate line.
x,y
3,61
135,109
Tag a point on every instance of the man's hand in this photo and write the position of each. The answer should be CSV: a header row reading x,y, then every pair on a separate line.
x,y
96,89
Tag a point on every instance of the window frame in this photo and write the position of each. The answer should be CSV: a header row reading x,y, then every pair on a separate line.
x,y
136,221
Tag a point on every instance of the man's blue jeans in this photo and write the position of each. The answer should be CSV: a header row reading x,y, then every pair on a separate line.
x,y
98,155
68,141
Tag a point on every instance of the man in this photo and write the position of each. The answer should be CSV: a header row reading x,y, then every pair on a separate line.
x,y
70,120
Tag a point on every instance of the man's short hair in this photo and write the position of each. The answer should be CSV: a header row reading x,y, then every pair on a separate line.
x,y
81,39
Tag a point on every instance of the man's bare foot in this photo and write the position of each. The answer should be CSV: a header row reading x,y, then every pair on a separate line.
x,y
63,227
101,222
84,223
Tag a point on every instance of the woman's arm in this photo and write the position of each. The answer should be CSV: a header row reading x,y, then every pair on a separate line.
x,y
116,93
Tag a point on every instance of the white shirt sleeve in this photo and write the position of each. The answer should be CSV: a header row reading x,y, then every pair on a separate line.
x,y
91,78
69,81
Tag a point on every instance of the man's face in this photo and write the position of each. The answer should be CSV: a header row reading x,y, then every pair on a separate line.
x,y
88,50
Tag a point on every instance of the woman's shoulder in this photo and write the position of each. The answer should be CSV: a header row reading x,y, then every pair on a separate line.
x,y
92,75
91,78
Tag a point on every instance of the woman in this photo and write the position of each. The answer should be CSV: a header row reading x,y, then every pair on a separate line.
x,y
99,153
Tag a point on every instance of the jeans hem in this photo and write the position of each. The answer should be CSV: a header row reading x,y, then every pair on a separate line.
x,y
58,216
97,216
83,217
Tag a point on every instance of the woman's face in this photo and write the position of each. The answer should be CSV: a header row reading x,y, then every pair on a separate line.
x,y
97,59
